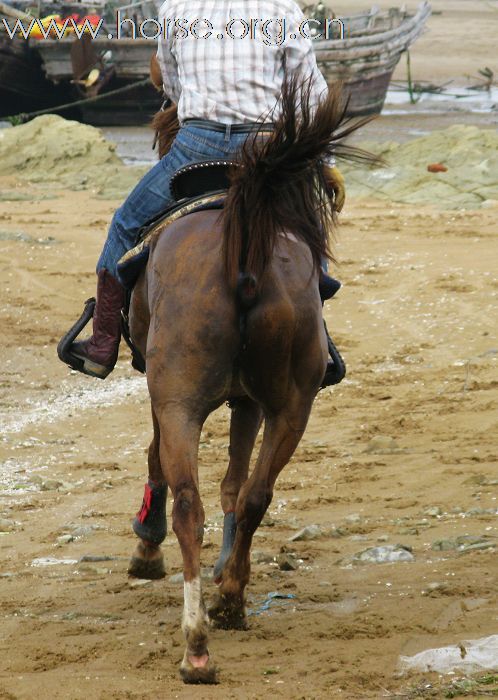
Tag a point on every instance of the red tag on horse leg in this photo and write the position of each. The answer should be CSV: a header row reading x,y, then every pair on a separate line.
x,y
146,503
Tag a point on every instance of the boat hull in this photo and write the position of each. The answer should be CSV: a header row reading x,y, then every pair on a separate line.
x,y
363,60
23,85
131,59
132,108
367,95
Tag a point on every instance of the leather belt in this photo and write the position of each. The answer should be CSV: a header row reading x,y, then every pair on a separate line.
x,y
228,129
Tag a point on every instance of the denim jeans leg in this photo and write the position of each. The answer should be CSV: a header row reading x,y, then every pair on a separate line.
x,y
152,195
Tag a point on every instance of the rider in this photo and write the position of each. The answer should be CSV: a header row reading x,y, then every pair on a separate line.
x,y
223,63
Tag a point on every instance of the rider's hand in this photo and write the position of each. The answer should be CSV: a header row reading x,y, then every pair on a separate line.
x,y
336,186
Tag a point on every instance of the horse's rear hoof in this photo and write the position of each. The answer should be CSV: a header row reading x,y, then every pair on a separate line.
x,y
207,675
229,621
142,568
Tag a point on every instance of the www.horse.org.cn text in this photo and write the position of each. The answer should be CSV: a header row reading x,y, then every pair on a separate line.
x,y
272,32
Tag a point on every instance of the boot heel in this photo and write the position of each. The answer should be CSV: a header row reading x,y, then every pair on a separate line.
x,y
93,369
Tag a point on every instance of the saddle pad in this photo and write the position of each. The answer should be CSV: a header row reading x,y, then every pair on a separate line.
x,y
132,263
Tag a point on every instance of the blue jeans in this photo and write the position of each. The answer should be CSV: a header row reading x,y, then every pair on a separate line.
x,y
152,195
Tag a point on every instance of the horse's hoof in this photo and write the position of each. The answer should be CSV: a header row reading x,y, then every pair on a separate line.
x,y
228,617
208,674
142,568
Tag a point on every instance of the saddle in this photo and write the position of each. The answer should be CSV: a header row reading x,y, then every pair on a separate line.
x,y
199,187
195,187
201,178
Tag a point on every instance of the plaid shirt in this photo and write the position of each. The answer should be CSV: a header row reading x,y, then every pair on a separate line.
x,y
225,78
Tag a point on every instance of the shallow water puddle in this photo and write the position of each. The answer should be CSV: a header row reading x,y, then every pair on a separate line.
x,y
454,98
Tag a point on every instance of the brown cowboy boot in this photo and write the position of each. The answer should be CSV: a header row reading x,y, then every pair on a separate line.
x,y
100,352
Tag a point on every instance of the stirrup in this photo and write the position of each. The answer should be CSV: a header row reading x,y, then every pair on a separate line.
x,y
67,340
336,370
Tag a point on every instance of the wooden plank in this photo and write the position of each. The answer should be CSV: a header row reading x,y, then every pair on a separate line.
x,y
407,26
333,73
130,57
367,96
16,14
397,45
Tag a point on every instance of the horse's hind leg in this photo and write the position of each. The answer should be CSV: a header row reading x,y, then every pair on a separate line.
x,y
282,434
244,425
150,522
179,444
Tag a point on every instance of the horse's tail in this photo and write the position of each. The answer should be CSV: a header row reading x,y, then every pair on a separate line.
x,y
279,184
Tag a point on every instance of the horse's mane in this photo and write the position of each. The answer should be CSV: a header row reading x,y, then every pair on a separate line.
x,y
279,186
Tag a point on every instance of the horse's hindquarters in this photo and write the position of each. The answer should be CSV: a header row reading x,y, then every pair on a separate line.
x,y
193,334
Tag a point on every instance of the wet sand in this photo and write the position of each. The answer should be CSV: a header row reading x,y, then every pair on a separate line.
x,y
402,452
415,322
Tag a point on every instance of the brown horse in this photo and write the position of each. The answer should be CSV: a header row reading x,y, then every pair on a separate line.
x,y
228,309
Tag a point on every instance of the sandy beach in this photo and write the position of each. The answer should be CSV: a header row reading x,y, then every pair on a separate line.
x,y
403,452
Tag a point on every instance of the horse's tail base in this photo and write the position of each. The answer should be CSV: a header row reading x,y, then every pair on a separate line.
x,y
247,291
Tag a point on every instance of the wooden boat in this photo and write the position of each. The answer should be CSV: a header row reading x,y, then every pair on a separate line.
x,y
128,63
17,86
23,85
365,57
123,64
